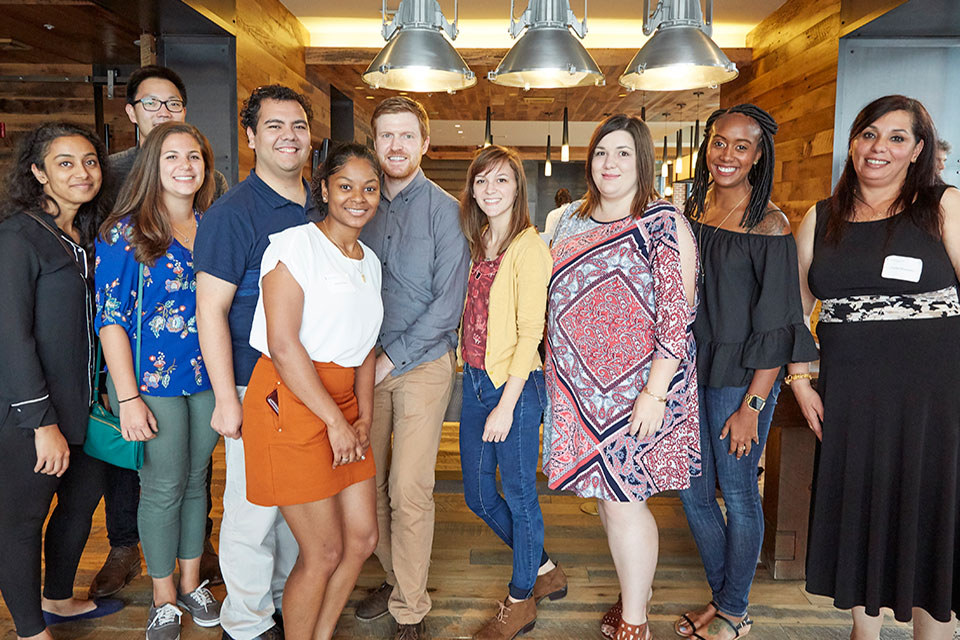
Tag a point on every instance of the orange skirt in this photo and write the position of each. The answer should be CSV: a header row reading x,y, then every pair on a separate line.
x,y
288,456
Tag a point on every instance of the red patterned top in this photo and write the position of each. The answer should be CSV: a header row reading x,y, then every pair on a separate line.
x,y
476,310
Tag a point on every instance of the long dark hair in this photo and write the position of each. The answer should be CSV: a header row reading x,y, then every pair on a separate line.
x,y
24,193
150,230
760,176
921,174
472,218
643,141
338,156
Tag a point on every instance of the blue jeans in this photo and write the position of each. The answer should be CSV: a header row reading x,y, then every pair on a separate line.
x,y
515,516
729,548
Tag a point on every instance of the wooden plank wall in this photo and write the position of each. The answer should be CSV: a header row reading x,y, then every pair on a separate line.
x,y
271,44
794,76
26,105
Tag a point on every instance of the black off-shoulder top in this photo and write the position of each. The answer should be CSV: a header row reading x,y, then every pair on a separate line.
x,y
750,314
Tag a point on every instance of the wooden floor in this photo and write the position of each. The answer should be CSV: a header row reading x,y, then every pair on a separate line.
x,y
471,569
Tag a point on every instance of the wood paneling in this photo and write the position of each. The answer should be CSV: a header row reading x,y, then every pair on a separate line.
x,y
80,31
26,105
270,50
793,75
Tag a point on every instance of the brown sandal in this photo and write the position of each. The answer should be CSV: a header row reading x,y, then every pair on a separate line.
x,y
686,619
627,631
611,620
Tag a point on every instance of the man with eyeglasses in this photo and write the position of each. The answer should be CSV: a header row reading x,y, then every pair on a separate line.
x,y
154,95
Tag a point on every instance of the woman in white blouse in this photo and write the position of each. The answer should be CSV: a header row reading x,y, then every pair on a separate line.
x,y
307,410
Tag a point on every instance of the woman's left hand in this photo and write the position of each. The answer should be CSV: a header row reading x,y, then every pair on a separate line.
x,y
742,429
497,426
647,416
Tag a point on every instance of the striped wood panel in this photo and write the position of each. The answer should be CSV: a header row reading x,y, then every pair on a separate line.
x,y
794,77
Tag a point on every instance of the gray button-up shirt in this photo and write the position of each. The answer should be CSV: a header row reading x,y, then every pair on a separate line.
x,y
425,265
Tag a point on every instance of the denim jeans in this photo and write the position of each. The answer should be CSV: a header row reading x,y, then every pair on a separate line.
x,y
728,548
515,516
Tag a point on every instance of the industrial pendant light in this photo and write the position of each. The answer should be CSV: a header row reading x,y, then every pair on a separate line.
x,y
680,55
548,166
488,132
679,164
547,56
417,57
565,141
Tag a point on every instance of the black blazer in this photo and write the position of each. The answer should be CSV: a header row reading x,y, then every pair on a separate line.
x,y
46,329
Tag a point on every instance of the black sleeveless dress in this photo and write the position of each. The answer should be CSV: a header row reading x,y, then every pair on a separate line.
x,y
885,526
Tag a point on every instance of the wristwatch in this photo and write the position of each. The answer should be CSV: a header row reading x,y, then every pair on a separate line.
x,y
755,402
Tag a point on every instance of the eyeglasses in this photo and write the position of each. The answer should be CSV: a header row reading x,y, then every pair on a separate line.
x,y
173,105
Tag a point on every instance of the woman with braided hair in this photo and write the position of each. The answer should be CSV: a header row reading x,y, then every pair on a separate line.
x,y
750,324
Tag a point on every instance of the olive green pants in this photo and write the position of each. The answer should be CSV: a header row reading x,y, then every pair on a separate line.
x,y
173,496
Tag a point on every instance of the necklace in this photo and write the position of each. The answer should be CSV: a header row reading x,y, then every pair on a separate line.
x,y
715,229
357,263
184,236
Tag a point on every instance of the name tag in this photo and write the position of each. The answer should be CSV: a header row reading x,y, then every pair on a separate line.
x,y
902,268
338,283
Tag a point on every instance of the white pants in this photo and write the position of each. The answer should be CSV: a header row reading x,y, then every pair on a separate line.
x,y
257,552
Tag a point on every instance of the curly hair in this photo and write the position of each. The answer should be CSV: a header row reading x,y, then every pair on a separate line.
x,y
760,176
23,193
250,113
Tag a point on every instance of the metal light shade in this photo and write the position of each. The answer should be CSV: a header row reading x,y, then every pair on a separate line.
x,y
676,58
420,60
547,58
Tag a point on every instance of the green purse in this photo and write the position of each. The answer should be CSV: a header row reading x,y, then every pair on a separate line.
x,y
104,438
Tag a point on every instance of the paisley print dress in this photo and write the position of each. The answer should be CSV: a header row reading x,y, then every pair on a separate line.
x,y
616,303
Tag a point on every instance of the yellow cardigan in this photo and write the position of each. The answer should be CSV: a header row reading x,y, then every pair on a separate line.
x,y
518,304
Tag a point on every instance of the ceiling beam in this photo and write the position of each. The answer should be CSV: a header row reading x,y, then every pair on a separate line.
x,y
489,57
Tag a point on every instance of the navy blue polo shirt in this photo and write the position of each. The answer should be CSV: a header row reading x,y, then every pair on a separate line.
x,y
231,239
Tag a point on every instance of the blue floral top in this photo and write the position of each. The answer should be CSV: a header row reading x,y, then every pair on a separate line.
x,y
170,360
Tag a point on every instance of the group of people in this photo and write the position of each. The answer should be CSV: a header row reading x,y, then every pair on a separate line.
x,y
319,328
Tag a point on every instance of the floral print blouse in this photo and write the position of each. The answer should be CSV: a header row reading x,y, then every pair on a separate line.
x,y
170,360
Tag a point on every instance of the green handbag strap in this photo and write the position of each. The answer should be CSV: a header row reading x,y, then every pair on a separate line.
x,y
136,361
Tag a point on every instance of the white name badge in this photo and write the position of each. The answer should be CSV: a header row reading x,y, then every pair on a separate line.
x,y
902,268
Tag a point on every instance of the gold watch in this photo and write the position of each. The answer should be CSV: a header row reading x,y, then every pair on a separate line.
x,y
754,402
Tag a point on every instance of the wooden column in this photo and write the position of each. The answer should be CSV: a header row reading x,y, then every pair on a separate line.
x,y
148,49
788,478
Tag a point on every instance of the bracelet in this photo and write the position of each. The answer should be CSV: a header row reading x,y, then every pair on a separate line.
x,y
654,396
128,399
797,376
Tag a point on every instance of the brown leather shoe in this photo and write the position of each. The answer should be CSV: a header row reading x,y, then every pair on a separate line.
x,y
552,584
513,619
119,570
375,604
410,631
210,565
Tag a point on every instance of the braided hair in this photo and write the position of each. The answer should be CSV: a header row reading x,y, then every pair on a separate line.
x,y
760,176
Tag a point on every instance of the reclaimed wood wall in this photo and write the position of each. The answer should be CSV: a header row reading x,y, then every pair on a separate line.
x,y
793,75
270,50
26,105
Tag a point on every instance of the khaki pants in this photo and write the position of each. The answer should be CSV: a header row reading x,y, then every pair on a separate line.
x,y
410,408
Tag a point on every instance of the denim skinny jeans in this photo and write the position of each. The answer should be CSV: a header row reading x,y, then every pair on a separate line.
x,y
729,548
515,516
